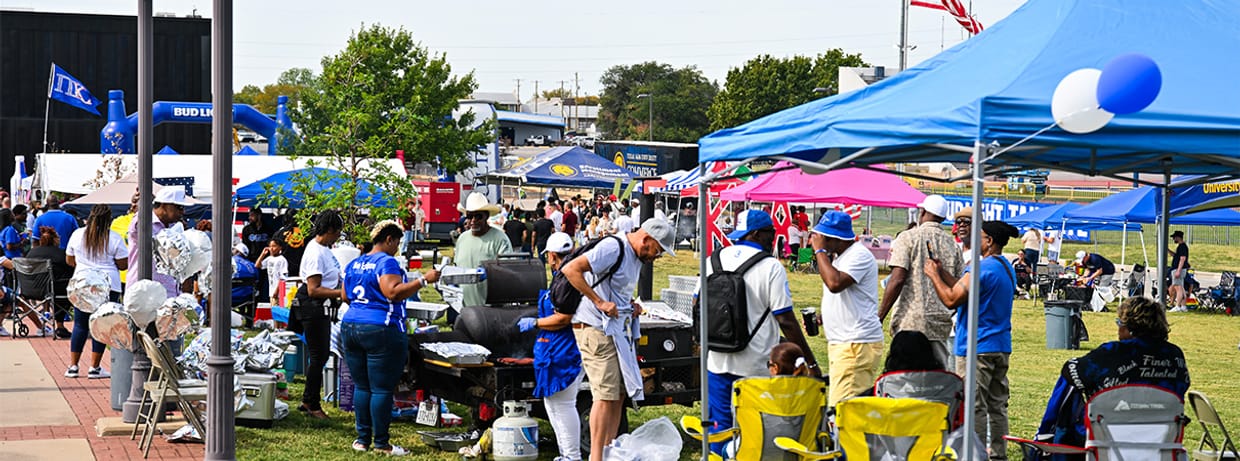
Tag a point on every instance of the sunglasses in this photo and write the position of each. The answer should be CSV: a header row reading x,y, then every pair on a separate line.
x,y
1119,323
477,216
964,222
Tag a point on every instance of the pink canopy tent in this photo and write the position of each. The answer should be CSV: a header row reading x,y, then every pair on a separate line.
x,y
849,185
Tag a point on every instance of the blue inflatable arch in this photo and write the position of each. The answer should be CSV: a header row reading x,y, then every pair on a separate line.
x,y
117,136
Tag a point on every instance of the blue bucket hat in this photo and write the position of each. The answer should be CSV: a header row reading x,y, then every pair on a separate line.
x,y
750,221
836,224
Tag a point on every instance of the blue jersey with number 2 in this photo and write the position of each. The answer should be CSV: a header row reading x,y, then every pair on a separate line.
x,y
367,304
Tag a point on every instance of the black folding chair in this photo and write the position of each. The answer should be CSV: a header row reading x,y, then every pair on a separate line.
x,y
36,293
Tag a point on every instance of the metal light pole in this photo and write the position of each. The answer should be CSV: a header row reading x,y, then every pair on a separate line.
x,y
221,430
649,113
146,54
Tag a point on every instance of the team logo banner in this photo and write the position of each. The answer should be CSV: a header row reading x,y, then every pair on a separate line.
x,y
64,88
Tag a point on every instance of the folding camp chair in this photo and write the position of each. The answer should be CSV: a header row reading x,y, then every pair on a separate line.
x,y
767,408
1219,449
882,429
805,261
1221,297
1133,422
166,382
936,386
36,294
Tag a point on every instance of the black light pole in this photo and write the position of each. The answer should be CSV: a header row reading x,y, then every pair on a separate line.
x,y
221,430
146,57
649,113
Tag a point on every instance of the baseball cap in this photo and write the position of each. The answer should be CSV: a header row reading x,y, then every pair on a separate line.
x,y
836,224
749,221
1080,255
174,195
1178,233
663,233
935,205
242,249
559,242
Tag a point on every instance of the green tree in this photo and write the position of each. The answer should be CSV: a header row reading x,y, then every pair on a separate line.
x,y
680,98
383,92
765,85
563,93
290,83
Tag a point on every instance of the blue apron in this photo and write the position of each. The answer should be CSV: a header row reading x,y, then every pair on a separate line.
x,y
557,361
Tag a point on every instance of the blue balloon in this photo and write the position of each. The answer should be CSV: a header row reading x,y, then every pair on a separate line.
x,y
1129,83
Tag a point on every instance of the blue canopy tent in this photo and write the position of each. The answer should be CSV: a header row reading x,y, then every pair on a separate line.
x,y
1139,206
167,150
1053,217
247,150
986,100
1208,196
564,166
325,179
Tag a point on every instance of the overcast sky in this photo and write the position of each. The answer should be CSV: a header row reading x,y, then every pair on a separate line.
x,y
549,40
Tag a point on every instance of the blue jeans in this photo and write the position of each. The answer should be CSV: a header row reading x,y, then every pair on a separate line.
x,y
376,356
81,329
720,391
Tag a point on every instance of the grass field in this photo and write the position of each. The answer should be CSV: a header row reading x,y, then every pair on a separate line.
x,y
1209,342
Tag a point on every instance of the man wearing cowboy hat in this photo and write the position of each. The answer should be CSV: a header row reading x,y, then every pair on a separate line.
x,y
480,242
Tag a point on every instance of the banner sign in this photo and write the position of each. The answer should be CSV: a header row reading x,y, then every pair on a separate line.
x,y
64,88
998,209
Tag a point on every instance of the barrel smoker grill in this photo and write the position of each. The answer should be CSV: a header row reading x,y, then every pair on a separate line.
x,y
667,351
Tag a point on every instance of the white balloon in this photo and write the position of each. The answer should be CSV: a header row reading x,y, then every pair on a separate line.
x,y
1075,103
142,300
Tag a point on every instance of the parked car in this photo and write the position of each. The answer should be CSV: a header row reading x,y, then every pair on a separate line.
x,y
538,140
584,141
247,136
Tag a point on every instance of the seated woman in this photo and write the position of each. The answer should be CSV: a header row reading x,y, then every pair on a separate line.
x,y
910,351
787,359
1141,356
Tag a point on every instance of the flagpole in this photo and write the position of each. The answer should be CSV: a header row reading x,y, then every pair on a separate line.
x,y
47,108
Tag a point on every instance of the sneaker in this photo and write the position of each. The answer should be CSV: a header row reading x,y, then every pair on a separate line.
x,y
72,372
4,332
1179,309
43,332
359,446
98,373
62,333
393,451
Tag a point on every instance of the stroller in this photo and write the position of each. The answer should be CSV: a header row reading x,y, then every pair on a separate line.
x,y
1221,297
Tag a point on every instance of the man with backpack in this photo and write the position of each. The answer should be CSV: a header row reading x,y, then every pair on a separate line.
x,y
602,323
746,289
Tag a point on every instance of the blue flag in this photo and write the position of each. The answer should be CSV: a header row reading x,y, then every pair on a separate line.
x,y
64,88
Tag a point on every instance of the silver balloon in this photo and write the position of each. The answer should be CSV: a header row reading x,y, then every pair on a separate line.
x,y
200,252
142,300
111,325
173,253
204,281
176,317
89,289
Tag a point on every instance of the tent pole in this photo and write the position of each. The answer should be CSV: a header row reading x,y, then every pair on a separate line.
x,y
1123,246
703,333
970,374
1164,229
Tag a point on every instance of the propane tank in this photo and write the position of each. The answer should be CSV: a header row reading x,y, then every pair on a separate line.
x,y
514,435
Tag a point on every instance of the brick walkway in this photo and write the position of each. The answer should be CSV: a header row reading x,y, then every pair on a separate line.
x,y
89,399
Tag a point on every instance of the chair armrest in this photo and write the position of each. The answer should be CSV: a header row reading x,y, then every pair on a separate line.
x,y
1046,447
792,446
692,426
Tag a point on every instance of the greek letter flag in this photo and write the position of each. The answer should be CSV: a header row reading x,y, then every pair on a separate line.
x,y
64,88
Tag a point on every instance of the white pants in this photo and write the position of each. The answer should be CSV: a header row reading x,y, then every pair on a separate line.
x,y
565,422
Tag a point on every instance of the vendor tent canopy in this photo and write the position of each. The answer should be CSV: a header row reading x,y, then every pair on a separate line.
x,y
167,150
324,180
787,183
247,150
118,196
1052,217
1140,205
564,166
1208,196
997,87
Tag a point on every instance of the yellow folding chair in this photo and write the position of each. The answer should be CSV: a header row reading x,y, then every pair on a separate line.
x,y
878,428
765,409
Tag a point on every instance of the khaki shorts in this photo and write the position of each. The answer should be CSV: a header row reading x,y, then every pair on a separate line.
x,y
853,368
601,362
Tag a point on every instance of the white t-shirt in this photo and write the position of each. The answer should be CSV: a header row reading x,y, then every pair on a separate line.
x,y
766,285
277,270
105,262
851,316
617,289
622,225
319,260
557,218
795,235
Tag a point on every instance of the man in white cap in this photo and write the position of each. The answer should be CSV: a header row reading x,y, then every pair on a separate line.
x,y
601,322
479,243
849,306
910,296
169,209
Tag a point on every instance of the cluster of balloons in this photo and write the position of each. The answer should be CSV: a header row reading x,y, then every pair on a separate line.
x,y
146,301
1087,99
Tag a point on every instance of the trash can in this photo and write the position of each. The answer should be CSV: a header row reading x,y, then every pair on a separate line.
x,y
1060,321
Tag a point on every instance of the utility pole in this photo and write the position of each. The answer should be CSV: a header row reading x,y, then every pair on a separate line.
x,y
576,107
518,95
535,96
562,98
903,34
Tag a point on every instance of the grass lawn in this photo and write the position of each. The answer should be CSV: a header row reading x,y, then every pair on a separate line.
x,y
1209,342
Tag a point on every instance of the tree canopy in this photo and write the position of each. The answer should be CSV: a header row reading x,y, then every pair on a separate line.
x,y
765,85
290,83
679,97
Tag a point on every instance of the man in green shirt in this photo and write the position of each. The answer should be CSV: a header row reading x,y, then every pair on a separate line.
x,y
480,243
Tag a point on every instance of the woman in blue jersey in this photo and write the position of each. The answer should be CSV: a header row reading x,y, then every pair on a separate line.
x,y
373,334
557,361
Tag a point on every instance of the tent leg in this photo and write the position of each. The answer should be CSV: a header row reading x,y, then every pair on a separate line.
x,y
1146,256
1123,246
970,374
703,246
1164,228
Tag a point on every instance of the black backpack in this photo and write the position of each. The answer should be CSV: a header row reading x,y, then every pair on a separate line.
x,y
564,294
728,306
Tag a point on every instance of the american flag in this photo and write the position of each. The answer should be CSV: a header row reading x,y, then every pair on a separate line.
x,y
956,9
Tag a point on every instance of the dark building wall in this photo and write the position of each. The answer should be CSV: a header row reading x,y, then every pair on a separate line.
x,y
102,52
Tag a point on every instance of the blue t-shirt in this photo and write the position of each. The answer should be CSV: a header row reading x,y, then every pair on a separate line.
x,y
10,236
61,221
367,304
1095,261
994,321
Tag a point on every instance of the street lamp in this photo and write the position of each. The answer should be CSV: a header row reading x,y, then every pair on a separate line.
x,y
650,113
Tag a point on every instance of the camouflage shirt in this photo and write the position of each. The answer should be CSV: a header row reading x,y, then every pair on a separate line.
x,y
918,308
